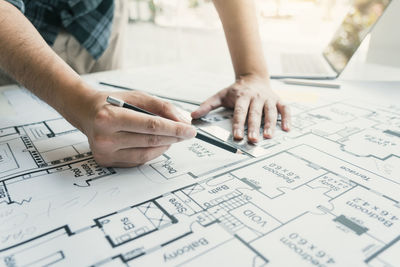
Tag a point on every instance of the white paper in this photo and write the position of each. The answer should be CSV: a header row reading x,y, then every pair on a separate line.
x,y
325,194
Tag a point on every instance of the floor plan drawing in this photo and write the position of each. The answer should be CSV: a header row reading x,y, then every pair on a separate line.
x,y
325,194
368,136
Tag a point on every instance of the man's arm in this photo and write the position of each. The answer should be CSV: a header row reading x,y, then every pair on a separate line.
x,y
251,94
117,136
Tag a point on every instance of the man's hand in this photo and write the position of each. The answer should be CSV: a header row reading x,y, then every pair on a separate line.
x,y
117,136
251,94
121,137
251,97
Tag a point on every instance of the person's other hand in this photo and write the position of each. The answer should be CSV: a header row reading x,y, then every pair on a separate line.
x,y
121,137
250,97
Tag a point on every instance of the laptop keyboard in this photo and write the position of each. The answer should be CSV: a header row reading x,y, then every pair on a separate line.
x,y
302,64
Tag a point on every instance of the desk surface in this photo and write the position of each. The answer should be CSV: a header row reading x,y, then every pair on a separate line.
x,y
327,193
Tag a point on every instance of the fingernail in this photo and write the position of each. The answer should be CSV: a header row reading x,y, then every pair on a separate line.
x,y
238,134
253,135
190,132
285,126
268,132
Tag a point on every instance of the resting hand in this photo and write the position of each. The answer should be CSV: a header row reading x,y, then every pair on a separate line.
x,y
121,137
250,96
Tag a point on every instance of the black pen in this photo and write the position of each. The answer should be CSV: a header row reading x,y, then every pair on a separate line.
x,y
117,102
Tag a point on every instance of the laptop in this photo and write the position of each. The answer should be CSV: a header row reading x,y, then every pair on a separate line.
x,y
329,63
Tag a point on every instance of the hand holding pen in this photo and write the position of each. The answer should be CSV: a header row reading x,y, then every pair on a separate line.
x,y
213,141
119,137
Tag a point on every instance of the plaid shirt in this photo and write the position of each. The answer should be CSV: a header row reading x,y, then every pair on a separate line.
x,y
89,21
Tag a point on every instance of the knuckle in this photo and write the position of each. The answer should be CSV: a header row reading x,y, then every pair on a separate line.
x,y
237,126
179,131
238,119
153,140
237,92
269,105
241,93
103,117
153,124
166,107
240,109
255,113
234,91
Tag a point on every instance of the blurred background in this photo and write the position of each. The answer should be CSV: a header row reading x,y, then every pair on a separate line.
x,y
189,31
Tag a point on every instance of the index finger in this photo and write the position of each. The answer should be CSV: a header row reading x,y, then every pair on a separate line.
x,y
156,106
132,121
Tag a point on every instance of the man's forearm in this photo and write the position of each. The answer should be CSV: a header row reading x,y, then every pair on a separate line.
x,y
242,34
117,136
26,57
250,95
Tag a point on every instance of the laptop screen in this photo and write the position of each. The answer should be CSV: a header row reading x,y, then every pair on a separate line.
x,y
358,22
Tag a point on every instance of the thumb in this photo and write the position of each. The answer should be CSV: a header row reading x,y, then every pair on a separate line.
x,y
208,105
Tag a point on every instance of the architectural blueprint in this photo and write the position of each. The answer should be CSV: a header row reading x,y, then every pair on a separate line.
x,y
325,194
